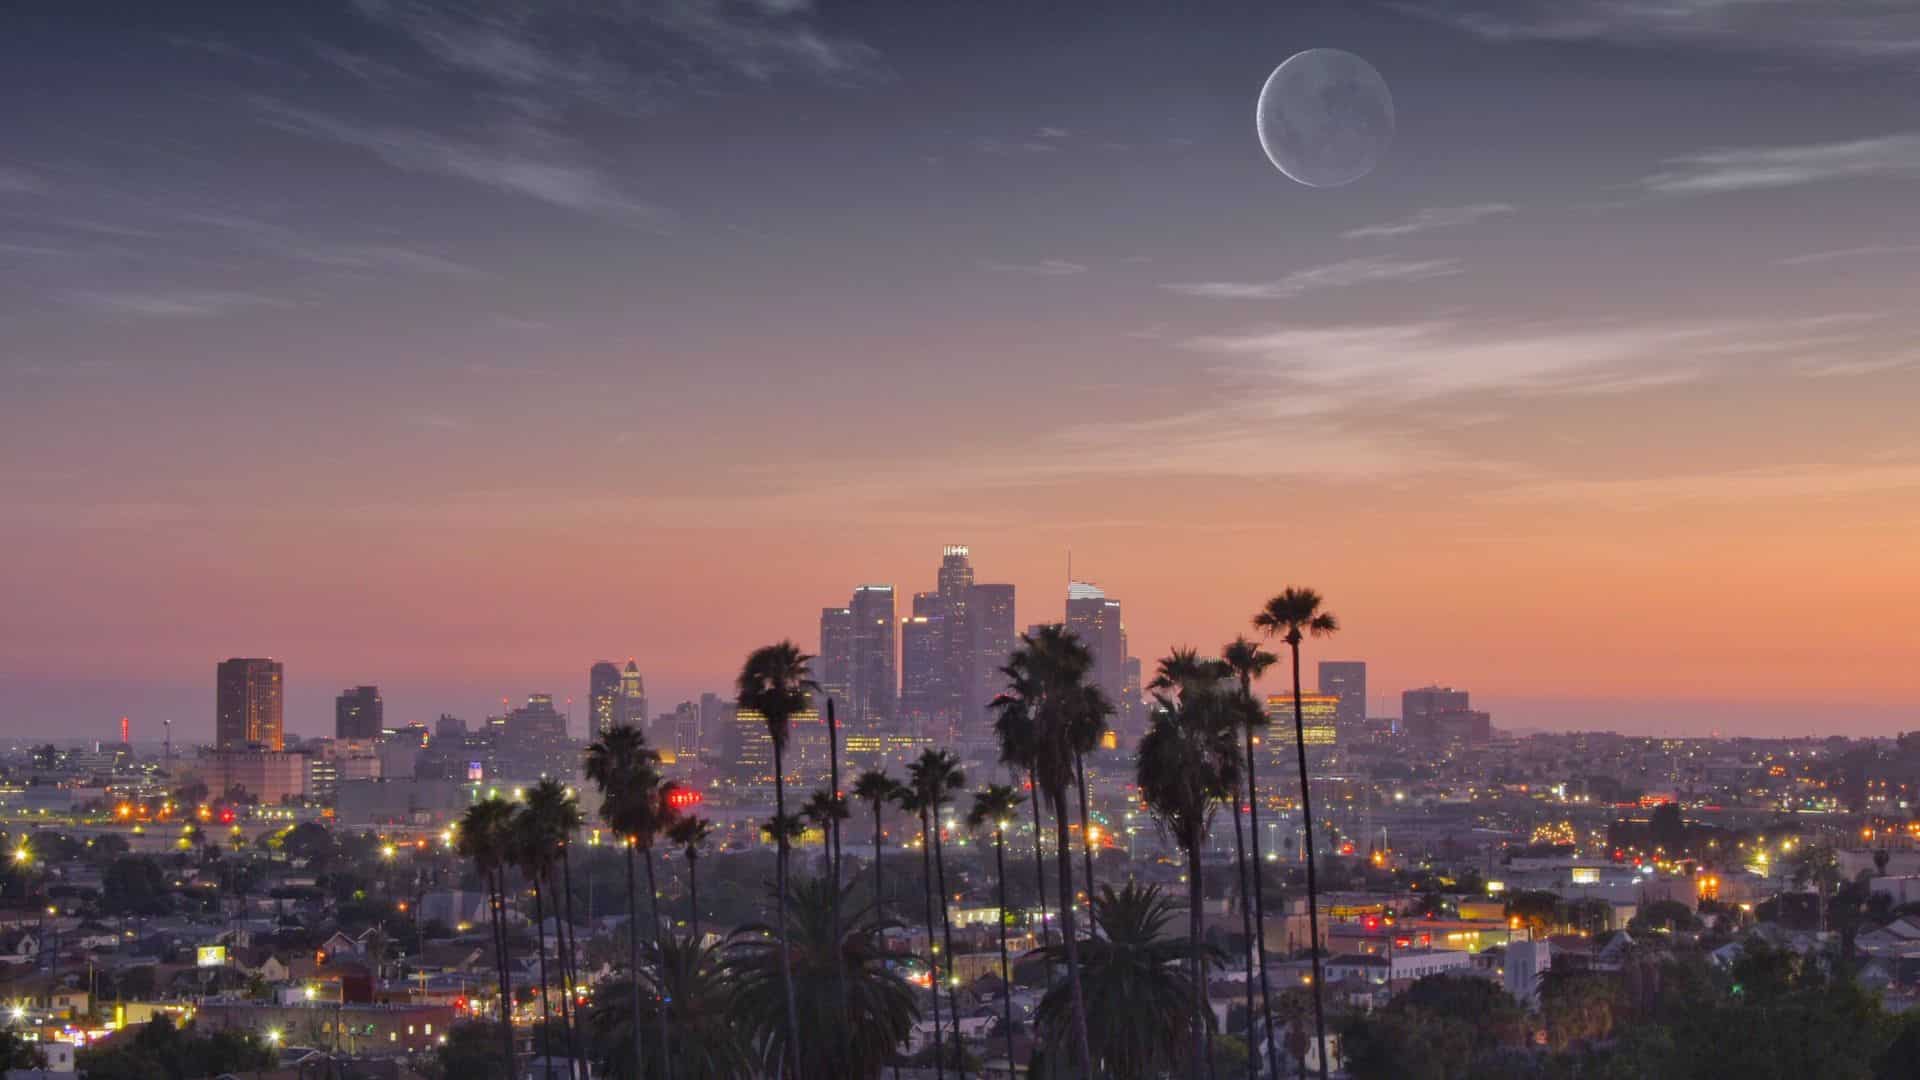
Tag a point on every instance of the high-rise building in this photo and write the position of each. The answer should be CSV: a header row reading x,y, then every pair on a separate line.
x,y
603,696
1417,706
1095,620
921,640
955,585
248,704
630,704
1443,716
686,731
537,719
990,620
833,667
358,714
875,682
1346,680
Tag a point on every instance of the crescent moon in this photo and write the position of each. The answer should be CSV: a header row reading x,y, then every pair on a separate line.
x,y
1325,118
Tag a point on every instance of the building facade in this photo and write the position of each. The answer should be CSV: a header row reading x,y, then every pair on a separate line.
x,y
249,696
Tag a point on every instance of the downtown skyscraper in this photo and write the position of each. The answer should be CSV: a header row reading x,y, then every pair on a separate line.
x,y
615,695
249,696
1346,680
957,639
359,714
1095,620
874,681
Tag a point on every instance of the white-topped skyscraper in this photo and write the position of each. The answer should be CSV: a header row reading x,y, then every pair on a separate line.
x,y
603,696
1095,620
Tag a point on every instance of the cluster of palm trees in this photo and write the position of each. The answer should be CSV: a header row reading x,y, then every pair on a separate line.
x,y
812,994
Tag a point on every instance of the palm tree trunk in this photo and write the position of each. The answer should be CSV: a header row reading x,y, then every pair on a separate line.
x,y
946,931
933,951
879,881
1259,895
1006,968
1246,924
570,960
833,857
1063,858
497,901
1195,970
1039,860
1313,886
659,948
1086,825
780,867
693,894
546,1005
633,966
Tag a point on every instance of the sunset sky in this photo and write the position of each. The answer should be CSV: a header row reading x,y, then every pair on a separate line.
x,y
448,348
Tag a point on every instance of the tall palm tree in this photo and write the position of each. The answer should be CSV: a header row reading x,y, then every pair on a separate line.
x,y
643,813
879,1011
689,985
914,801
1188,765
934,777
1293,615
1248,661
533,854
557,818
1048,684
1136,982
994,808
620,762
484,835
776,683
690,835
1013,728
826,811
878,789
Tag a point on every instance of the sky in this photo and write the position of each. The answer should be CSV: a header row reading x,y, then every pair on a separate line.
x,y
453,346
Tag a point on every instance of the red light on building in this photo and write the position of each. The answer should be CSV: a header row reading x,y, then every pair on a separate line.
x,y
226,817
685,798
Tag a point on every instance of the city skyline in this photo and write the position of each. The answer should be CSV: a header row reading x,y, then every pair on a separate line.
x,y
447,346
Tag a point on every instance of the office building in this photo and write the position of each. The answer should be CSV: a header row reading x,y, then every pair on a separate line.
x,y
248,704
630,705
1319,721
686,731
1095,620
537,719
270,776
1443,716
921,652
833,665
603,696
875,680
358,714
991,623
1346,680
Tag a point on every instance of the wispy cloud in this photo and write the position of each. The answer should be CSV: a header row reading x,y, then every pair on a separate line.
x,y
1854,28
543,174
1799,482
18,182
1865,251
180,304
1372,270
1761,167
1439,217
1042,268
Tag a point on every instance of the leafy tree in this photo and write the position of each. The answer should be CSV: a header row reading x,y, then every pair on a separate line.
x,y
18,1053
1490,1013
688,984
159,1049
1663,915
472,1052
1578,1007
135,885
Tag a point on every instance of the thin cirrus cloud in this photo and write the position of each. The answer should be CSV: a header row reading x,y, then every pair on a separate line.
x,y
1851,28
1864,251
1764,167
1438,217
174,304
1373,270
1040,268
541,173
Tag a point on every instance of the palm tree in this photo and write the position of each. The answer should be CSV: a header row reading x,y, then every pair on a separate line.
x,y
534,853
995,808
618,763
1065,715
690,834
484,835
1188,764
557,818
934,777
826,811
915,802
643,813
688,985
1136,982
1293,615
879,1011
878,789
1013,728
776,683
1248,661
